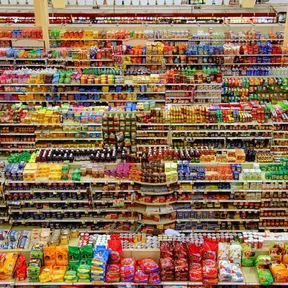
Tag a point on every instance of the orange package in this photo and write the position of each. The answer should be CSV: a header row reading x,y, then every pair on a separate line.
x,y
61,256
49,256
279,272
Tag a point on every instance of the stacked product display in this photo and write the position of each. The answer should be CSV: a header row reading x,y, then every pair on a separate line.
x,y
143,149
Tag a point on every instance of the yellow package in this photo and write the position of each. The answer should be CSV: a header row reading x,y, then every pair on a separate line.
x,y
58,273
45,275
7,270
279,272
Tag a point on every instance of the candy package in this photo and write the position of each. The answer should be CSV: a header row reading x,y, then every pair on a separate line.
x,y
285,254
181,269
248,254
141,276
276,251
265,277
180,250
7,269
279,272
45,275
127,269
61,255
210,249
225,271
154,278
74,254
87,251
49,256
113,273
223,251
237,275
167,269
195,272
115,248
166,249
195,253
210,269
148,265
235,254
58,273
21,268
263,261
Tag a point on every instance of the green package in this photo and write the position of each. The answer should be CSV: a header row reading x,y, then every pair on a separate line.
x,y
87,252
265,277
74,254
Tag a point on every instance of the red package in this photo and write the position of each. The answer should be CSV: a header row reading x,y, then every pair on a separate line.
x,y
167,269
166,249
154,278
115,248
210,269
180,250
141,276
210,281
181,270
195,253
195,272
112,273
210,249
148,265
21,268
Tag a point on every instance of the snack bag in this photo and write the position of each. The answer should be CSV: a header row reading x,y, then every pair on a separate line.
x,y
113,273
285,254
235,254
45,275
210,269
127,269
167,269
237,275
262,261
148,265
166,249
265,277
58,274
87,251
154,278
181,269
248,254
141,276
225,271
115,248
195,253
7,270
195,272
279,272
21,268
223,251
61,254
74,254
276,251
180,250
210,250
49,256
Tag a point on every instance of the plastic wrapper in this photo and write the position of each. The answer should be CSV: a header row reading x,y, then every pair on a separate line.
x,y
279,272
195,253
263,261
113,273
237,275
235,254
154,278
225,271
285,254
127,269
167,269
265,277
181,270
166,249
180,250
195,272
148,265
210,269
276,251
115,248
223,251
210,248
141,276
248,255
